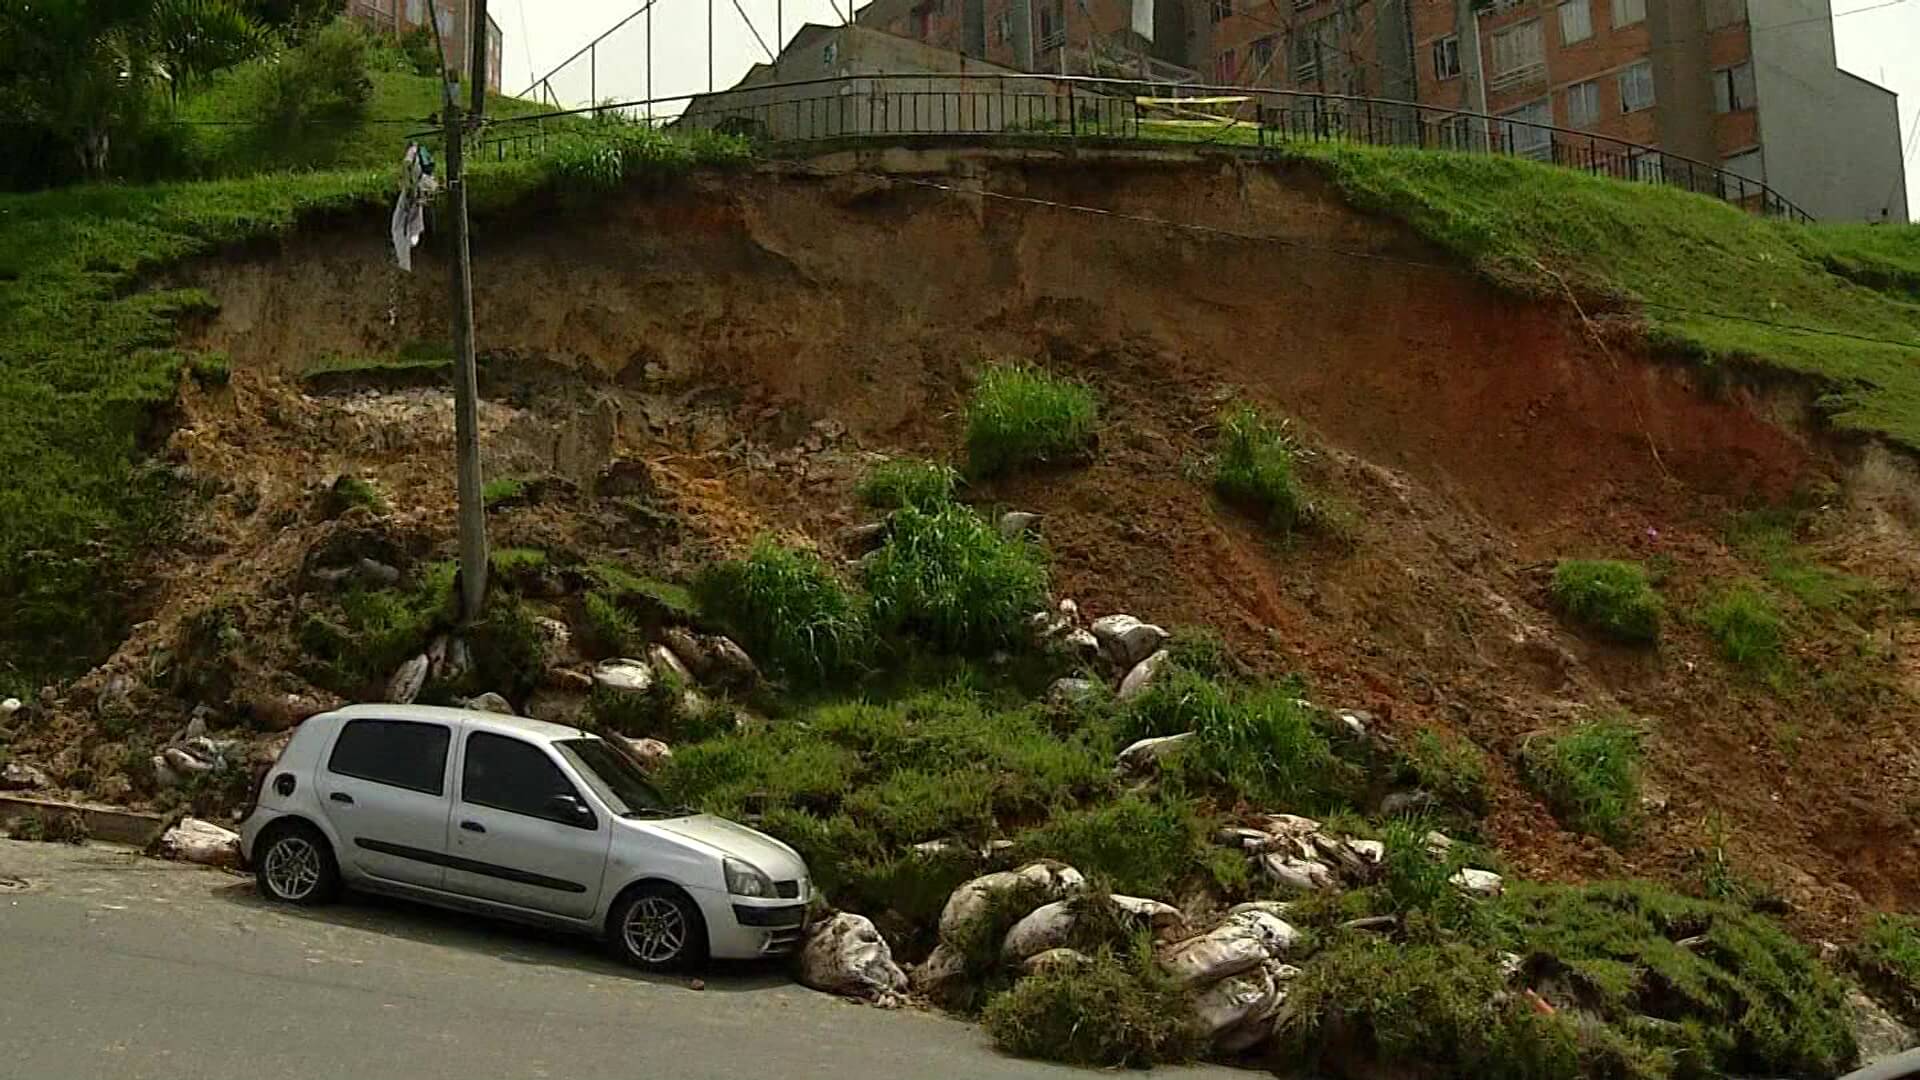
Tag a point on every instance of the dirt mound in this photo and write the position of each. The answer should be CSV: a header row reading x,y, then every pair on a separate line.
x,y
759,342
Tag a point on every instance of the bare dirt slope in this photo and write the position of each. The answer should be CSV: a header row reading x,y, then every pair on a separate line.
x,y
758,340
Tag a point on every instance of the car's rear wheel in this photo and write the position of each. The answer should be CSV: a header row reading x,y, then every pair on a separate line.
x,y
657,927
296,865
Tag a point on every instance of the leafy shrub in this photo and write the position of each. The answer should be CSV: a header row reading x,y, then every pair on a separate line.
x,y
1747,626
1614,597
503,491
1137,845
948,576
1110,1013
1020,415
1203,652
1253,469
313,97
1746,1000
924,485
1888,955
789,611
1590,776
1454,770
1415,880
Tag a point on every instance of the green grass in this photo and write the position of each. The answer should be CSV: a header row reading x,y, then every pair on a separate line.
x,y
503,489
1888,957
1768,537
1261,741
1748,999
1590,776
948,577
354,642
1117,1012
1453,769
351,492
400,104
789,611
88,362
1616,598
900,482
1144,846
1253,469
1674,254
1021,415
1747,626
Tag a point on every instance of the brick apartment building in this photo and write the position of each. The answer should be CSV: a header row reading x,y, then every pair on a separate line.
x,y
400,17
1749,85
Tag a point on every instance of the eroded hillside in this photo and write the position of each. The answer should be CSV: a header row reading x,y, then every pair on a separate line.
x,y
672,373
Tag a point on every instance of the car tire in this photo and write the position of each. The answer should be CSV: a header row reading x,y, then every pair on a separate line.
x,y
295,865
657,927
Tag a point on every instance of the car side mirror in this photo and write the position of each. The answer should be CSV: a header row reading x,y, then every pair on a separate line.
x,y
569,808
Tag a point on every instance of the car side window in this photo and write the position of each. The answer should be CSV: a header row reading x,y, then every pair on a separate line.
x,y
401,753
515,776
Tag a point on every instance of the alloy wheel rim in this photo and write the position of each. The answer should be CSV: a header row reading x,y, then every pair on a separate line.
x,y
293,868
655,930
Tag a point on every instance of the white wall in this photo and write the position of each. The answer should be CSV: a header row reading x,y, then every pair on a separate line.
x,y
1830,141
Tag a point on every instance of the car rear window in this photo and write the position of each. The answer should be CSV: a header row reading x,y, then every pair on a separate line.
x,y
403,753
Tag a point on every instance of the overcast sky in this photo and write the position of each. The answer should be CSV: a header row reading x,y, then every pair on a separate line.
x,y
1882,44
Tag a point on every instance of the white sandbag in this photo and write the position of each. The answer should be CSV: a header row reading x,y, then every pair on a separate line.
x,y
1055,960
1048,880
846,955
1305,875
406,682
623,675
1243,942
1483,883
1045,927
1147,754
202,842
942,968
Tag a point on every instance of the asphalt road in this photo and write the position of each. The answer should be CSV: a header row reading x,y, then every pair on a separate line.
x,y
113,965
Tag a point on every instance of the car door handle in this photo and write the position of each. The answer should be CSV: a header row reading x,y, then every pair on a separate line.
x,y
473,826
341,797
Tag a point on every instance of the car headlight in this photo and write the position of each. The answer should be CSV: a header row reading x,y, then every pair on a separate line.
x,y
745,880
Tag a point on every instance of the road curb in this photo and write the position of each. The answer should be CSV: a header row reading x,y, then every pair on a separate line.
x,y
132,827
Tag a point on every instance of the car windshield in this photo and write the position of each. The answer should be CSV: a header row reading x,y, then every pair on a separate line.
x,y
614,776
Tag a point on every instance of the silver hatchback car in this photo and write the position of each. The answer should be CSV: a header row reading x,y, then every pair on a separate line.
x,y
521,819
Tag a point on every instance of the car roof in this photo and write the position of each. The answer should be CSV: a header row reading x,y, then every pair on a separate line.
x,y
473,719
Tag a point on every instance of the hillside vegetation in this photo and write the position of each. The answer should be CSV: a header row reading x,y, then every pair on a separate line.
x,y
1702,274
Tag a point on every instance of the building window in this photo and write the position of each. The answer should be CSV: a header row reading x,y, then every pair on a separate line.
x,y
1306,56
1223,72
1260,56
1004,27
416,12
1733,88
1518,53
829,53
1446,58
1576,21
1628,12
1221,9
1522,136
1583,104
1053,27
1636,87
1746,165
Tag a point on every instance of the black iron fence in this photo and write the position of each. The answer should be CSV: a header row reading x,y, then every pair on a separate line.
x,y
1115,111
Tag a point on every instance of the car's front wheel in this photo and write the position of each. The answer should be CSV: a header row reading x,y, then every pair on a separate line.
x,y
295,865
657,927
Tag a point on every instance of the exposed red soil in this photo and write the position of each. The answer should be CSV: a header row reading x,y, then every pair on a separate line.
x,y
756,339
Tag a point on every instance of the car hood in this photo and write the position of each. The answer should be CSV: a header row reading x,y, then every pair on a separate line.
x,y
770,856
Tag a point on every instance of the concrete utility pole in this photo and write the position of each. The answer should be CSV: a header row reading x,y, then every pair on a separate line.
x,y
466,395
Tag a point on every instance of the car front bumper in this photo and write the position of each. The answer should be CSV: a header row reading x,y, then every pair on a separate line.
x,y
743,928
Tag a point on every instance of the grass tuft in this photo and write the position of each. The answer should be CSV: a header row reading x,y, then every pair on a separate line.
x,y
1111,1013
1747,626
902,482
1253,469
949,577
1888,956
1453,769
1590,775
1022,415
1613,597
789,611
